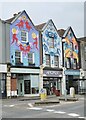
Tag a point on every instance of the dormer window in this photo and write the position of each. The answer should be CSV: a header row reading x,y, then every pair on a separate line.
x,y
24,36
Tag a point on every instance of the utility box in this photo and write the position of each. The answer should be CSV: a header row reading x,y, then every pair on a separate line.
x,y
72,92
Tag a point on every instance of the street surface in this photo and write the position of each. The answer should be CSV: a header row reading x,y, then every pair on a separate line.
x,y
14,108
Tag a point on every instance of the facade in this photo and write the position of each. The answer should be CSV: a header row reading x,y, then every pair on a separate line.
x,y
82,82
37,57
71,63
51,57
22,56
4,55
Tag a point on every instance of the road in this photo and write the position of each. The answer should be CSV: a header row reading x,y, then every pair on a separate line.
x,y
25,109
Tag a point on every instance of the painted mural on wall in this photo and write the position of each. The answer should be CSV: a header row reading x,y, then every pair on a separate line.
x,y
19,29
71,48
51,43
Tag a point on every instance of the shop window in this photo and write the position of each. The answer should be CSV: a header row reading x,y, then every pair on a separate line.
x,y
48,60
30,58
24,36
56,61
75,64
18,57
35,90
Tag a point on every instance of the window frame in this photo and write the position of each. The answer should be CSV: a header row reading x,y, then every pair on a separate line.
x,y
33,61
26,36
75,62
56,61
18,57
51,42
47,61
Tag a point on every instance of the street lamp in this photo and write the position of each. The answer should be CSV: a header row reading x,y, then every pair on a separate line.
x,y
64,68
41,77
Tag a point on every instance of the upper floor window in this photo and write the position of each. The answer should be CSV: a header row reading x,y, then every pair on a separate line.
x,y
24,36
56,61
51,42
30,58
68,64
48,60
75,64
17,57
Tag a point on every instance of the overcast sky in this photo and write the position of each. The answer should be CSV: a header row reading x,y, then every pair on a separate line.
x,y
63,14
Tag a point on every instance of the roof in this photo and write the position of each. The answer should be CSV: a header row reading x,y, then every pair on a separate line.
x,y
61,32
82,39
40,26
14,16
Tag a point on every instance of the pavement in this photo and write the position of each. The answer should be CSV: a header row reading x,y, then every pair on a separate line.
x,y
50,99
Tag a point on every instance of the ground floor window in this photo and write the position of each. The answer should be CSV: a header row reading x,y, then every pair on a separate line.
x,y
51,85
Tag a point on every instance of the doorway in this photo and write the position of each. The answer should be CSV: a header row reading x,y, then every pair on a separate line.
x,y
27,87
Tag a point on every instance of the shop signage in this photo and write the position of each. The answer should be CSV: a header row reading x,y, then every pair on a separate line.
x,y
50,73
72,72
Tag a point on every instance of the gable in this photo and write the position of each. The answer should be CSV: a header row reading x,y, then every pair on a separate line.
x,y
24,37
51,40
71,45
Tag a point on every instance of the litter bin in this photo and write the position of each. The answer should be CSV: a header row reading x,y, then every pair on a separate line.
x,y
72,92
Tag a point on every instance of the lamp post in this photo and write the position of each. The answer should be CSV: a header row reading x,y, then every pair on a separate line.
x,y
41,78
64,68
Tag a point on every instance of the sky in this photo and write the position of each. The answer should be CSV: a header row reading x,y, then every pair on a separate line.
x,y
63,14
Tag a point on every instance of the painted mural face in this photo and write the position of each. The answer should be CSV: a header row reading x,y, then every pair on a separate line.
x,y
24,38
71,48
51,42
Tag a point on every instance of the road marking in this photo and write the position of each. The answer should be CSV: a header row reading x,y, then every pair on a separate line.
x,y
11,105
50,110
81,117
73,114
60,112
35,108
30,104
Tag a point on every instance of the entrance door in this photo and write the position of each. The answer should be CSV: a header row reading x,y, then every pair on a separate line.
x,y
27,88
20,88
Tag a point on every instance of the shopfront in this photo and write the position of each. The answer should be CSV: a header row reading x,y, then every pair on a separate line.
x,y
72,77
52,80
27,81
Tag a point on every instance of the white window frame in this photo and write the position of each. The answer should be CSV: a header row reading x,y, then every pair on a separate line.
x,y
17,56
68,63
56,63
51,44
33,58
26,37
47,60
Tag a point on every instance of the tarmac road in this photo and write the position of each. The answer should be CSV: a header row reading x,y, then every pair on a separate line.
x,y
25,109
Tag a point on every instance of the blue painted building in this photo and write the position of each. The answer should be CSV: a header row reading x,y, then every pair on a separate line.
x,y
24,56
51,56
